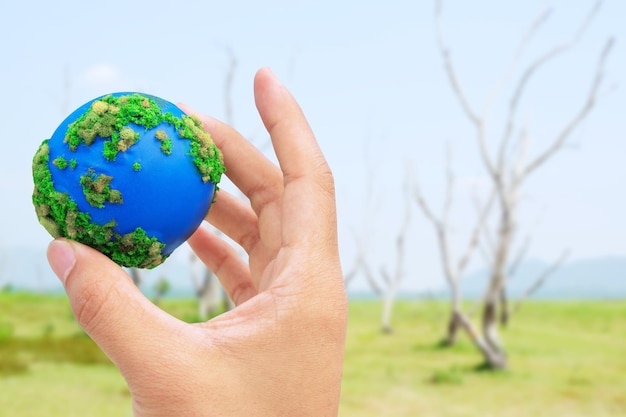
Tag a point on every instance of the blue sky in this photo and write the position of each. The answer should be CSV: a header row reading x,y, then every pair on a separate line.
x,y
371,81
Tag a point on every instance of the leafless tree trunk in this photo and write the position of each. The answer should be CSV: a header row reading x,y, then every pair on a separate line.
x,y
507,166
137,275
392,281
453,269
161,287
386,284
64,99
207,289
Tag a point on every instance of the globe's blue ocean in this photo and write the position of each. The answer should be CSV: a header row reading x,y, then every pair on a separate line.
x,y
166,197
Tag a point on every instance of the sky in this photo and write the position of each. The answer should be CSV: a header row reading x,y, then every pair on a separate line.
x,y
371,80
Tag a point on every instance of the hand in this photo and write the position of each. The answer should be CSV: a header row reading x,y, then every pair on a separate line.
x,y
279,352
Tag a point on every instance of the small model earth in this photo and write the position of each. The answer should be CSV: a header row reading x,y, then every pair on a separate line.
x,y
128,174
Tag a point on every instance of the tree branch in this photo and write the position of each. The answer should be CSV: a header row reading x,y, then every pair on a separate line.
x,y
475,236
228,87
371,280
452,77
477,120
447,205
486,243
452,274
419,197
193,274
523,249
578,118
441,229
530,71
534,28
541,280
361,263
349,276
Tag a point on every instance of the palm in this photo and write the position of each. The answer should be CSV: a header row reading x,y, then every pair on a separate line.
x,y
289,324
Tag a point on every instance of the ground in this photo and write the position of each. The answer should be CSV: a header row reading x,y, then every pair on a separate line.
x,y
566,358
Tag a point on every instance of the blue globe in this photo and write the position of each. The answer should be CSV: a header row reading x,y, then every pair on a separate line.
x,y
129,174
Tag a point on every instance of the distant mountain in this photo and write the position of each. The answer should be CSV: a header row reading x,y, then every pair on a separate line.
x,y
598,278
27,268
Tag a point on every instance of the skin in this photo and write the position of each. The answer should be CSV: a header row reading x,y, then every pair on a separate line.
x,y
280,351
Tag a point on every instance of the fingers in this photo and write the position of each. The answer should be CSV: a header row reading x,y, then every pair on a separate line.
x,y
224,261
109,307
292,137
235,218
245,165
257,177
291,206
309,204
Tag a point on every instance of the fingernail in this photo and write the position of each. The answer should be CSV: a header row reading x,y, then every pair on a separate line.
x,y
61,257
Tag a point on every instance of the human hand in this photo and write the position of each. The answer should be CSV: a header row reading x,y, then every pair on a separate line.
x,y
279,352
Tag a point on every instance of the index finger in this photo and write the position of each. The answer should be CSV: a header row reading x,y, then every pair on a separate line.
x,y
309,198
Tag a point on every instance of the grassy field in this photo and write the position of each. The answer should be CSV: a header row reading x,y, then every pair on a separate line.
x,y
566,359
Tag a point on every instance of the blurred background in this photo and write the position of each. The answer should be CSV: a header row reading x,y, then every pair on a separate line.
x,y
478,153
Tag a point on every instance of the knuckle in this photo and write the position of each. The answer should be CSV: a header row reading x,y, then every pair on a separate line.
x,y
263,193
249,239
241,292
90,305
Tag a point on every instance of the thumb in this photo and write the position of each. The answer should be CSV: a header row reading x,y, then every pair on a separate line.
x,y
108,306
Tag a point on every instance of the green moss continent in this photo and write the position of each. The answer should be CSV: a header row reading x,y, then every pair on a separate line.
x,y
207,157
59,214
97,189
107,119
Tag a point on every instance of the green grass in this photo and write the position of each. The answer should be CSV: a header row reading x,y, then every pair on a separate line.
x,y
566,359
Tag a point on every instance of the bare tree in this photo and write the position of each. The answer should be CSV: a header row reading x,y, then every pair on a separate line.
x,y
349,276
385,284
453,268
207,288
63,99
206,284
393,280
539,281
505,310
508,165
161,287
